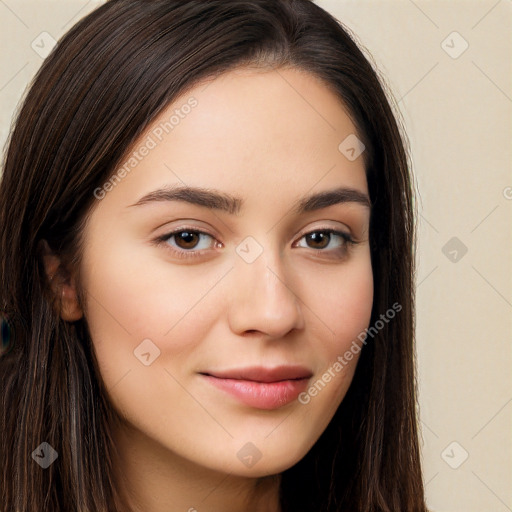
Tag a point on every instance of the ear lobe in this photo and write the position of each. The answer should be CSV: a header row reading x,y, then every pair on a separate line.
x,y
70,309
62,283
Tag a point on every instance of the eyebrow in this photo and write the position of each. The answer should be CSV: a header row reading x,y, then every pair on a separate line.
x,y
216,200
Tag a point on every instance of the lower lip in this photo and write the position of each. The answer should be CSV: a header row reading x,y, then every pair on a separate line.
x,y
261,395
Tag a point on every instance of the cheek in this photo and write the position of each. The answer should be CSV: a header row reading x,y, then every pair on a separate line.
x,y
342,305
343,310
129,301
352,311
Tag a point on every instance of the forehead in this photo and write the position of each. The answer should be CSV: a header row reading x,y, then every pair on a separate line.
x,y
247,131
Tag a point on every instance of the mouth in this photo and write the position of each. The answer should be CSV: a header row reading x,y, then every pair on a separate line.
x,y
259,387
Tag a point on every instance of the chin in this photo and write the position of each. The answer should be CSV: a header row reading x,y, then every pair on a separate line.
x,y
264,458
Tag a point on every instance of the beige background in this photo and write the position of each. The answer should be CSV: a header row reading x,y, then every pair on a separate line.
x,y
457,104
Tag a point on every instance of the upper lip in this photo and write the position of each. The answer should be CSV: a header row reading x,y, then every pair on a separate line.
x,y
263,374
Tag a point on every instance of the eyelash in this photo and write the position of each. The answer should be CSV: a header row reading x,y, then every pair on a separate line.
x,y
349,242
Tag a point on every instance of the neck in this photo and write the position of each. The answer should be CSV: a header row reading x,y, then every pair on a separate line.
x,y
151,478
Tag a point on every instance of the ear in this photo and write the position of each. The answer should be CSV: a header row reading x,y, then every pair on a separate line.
x,y
62,283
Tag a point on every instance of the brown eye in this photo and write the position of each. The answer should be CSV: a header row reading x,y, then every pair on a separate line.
x,y
318,239
327,241
186,239
187,243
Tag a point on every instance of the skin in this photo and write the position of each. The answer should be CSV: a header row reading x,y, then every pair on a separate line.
x,y
269,138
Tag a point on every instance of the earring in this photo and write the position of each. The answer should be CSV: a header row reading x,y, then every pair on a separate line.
x,y
5,335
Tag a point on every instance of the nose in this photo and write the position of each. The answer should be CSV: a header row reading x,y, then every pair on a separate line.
x,y
263,298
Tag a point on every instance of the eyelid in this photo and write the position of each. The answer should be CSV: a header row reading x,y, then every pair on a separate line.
x,y
184,253
332,229
348,239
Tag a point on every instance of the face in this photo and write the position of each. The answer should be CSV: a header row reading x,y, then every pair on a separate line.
x,y
221,280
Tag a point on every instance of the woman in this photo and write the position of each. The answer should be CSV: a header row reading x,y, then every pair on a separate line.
x,y
207,267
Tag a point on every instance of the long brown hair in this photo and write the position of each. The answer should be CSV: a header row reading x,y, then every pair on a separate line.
x,y
105,81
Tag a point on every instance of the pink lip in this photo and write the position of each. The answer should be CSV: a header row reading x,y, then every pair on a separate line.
x,y
262,388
